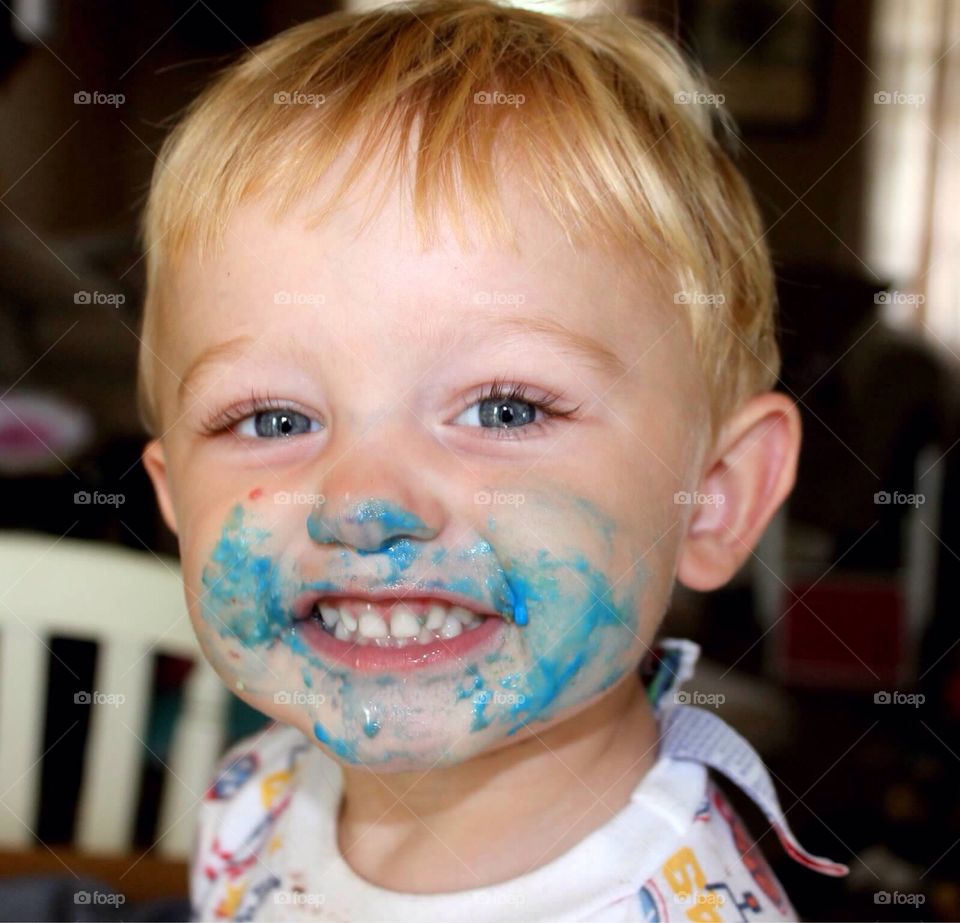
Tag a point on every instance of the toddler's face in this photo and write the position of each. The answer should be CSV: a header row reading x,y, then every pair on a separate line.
x,y
330,435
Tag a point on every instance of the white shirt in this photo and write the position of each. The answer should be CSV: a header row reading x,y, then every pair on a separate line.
x,y
266,845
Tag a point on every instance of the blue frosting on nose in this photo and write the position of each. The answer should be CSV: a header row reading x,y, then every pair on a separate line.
x,y
373,526
368,525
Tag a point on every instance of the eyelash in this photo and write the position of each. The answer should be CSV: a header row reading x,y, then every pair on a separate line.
x,y
503,390
500,390
258,402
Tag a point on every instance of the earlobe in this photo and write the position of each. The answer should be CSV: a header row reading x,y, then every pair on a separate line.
x,y
750,473
154,460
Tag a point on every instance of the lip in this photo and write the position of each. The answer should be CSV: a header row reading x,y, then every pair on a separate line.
x,y
369,658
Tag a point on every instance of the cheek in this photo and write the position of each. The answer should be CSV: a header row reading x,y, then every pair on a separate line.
x,y
233,596
583,633
592,599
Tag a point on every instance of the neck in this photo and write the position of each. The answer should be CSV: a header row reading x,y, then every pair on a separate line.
x,y
444,829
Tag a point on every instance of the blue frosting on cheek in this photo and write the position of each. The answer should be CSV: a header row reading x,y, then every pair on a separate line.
x,y
243,595
583,631
577,630
576,624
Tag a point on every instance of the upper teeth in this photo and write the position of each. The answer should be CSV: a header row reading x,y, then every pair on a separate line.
x,y
363,624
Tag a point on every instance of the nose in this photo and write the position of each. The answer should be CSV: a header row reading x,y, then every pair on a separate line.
x,y
380,481
368,525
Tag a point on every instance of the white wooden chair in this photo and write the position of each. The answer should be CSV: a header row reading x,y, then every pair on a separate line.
x,y
132,604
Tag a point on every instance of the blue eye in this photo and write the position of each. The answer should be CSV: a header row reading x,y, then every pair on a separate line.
x,y
274,424
504,407
500,413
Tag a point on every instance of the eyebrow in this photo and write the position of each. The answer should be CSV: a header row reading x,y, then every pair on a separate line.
x,y
571,341
221,352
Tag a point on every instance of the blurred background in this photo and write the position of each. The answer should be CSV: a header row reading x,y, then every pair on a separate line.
x,y
836,650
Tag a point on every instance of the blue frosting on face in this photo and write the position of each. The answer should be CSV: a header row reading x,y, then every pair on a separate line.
x,y
389,516
478,695
402,553
343,748
519,591
386,518
582,642
572,641
245,585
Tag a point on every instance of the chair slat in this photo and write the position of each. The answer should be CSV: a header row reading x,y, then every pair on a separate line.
x,y
115,747
23,680
197,745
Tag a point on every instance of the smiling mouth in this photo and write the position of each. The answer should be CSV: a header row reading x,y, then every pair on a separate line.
x,y
392,623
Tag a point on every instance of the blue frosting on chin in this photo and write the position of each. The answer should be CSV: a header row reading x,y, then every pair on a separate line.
x,y
343,748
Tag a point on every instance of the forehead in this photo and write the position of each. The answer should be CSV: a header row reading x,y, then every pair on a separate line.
x,y
362,273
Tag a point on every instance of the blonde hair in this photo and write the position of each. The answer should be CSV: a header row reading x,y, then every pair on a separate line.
x,y
612,128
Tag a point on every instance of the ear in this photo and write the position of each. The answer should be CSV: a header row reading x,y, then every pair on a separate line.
x,y
154,460
749,473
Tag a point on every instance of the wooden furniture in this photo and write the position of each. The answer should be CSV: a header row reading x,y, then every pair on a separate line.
x,y
132,604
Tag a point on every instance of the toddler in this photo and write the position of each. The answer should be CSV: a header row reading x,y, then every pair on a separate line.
x,y
372,241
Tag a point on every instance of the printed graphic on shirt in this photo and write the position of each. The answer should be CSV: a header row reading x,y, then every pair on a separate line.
x,y
718,874
237,863
233,776
683,890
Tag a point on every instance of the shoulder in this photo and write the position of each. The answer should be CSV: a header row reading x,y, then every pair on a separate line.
x,y
275,749
715,872
240,811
